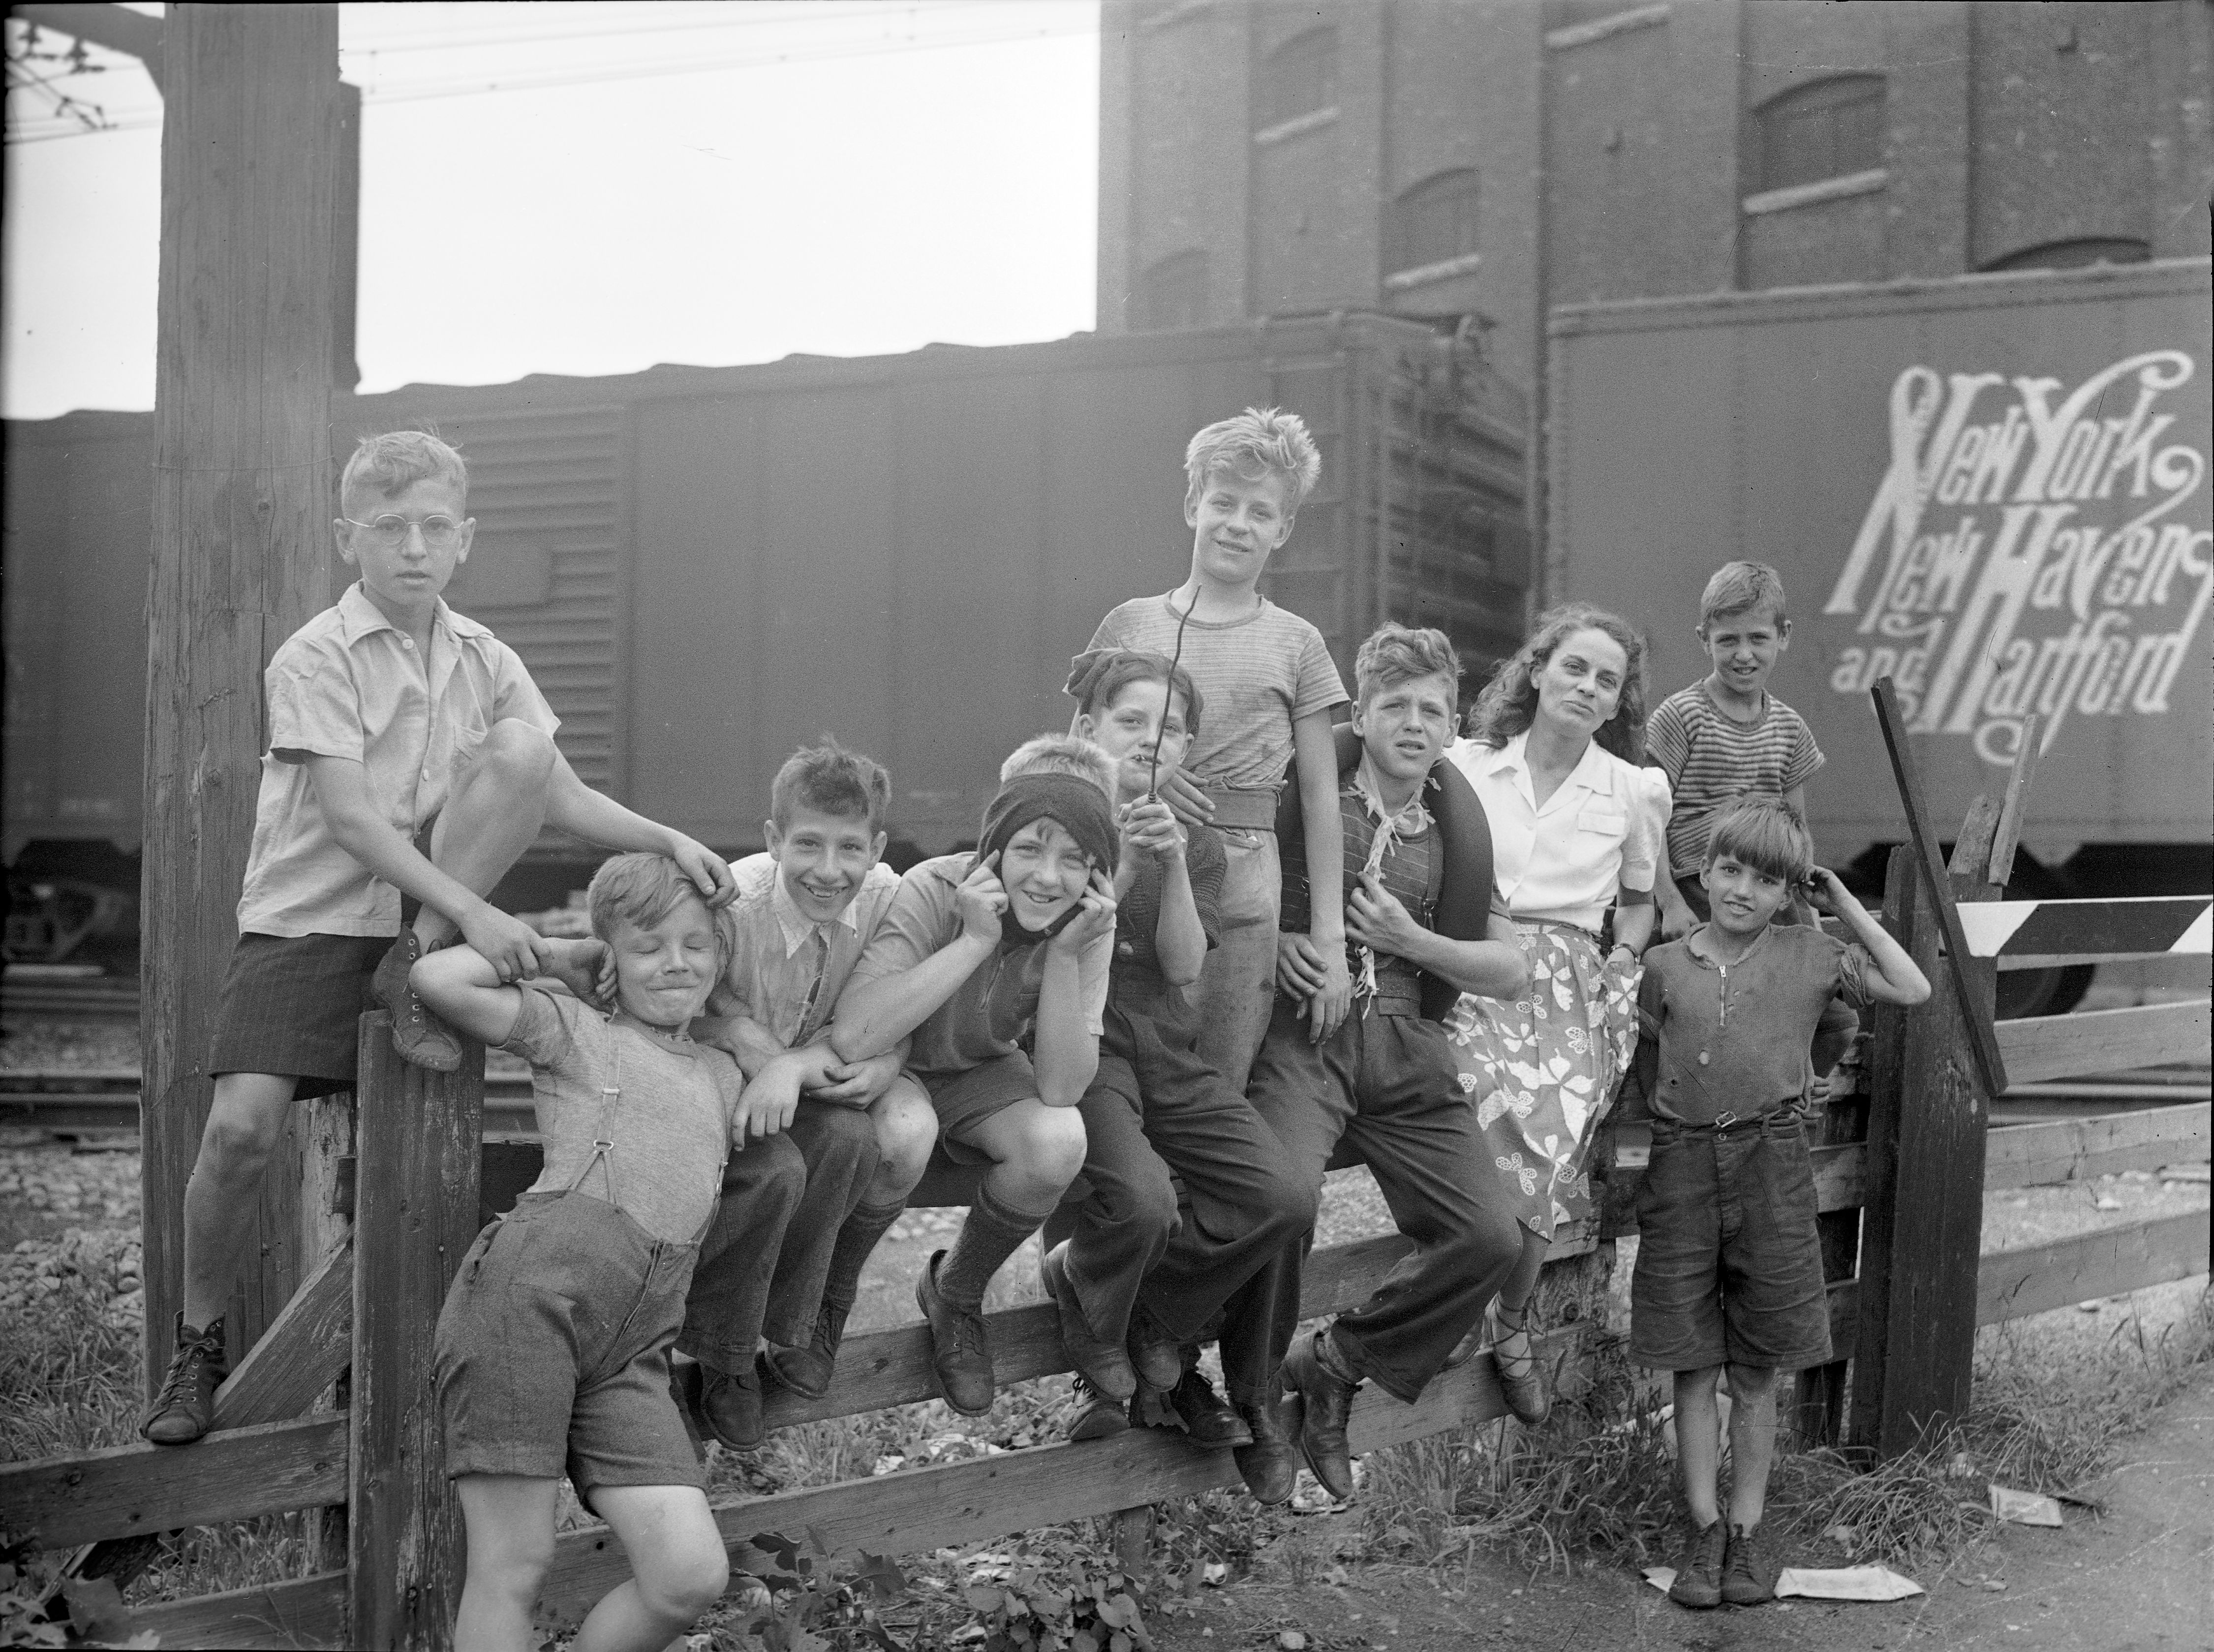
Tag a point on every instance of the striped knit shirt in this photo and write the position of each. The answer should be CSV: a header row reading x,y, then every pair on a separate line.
x,y
1712,761
1256,678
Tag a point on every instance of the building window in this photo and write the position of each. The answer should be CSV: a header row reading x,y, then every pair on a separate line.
x,y
1172,293
2075,254
1434,222
1300,77
1829,130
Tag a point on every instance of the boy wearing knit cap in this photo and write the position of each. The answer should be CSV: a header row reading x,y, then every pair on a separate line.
x,y
995,964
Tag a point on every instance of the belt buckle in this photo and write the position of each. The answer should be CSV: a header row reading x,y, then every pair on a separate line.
x,y
1723,1121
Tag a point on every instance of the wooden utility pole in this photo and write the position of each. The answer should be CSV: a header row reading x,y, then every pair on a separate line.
x,y
241,552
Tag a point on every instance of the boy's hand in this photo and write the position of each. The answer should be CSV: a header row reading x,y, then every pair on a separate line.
x,y
1827,894
515,949
980,899
1094,916
1327,1010
1185,797
1149,827
1375,918
1300,972
857,1084
709,873
766,1106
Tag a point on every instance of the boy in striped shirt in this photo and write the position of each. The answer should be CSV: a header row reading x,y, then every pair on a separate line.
x,y
1726,738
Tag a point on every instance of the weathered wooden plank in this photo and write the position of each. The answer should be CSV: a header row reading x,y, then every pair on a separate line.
x,y
973,1501
415,1212
2077,1149
2034,934
302,1352
2102,1041
299,1612
2008,838
2087,1266
127,1491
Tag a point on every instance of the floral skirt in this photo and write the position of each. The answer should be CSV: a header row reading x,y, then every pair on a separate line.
x,y
1541,1071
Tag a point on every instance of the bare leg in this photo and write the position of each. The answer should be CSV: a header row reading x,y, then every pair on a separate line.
x,y
492,815
1035,1152
1522,1284
907,1129
1698,1441
1752,1441
225,1189
508,1519
678,1568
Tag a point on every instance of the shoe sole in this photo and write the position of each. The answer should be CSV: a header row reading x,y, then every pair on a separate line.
x,y
1694,1605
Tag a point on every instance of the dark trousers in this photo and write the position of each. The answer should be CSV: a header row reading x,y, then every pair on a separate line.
x,y
1387,1084
763,1263
1157,1111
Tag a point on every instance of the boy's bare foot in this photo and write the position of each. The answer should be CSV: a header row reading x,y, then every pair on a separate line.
x,y
420,1037
1699,1569
185,1408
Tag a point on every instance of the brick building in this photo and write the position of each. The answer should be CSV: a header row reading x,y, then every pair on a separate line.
x,y
1442,157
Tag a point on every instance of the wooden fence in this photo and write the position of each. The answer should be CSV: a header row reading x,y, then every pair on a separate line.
x,y
414,1177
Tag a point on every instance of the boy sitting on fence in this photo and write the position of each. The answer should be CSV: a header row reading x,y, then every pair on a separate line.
x,y
553,1349
994,965
390,717
803,912
1386,1078
1729,1260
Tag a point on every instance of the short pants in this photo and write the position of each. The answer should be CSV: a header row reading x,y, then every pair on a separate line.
x,y
965,1100
1729,1261
291,1004
553,1349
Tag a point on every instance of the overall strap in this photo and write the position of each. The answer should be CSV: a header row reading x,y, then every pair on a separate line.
x,y
603,1142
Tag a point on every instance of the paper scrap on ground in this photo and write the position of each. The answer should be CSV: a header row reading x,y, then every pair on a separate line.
x,y
2024,1508
1839,1583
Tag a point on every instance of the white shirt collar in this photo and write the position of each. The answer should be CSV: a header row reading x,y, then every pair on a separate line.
x,y
1594,770
798,928
358,617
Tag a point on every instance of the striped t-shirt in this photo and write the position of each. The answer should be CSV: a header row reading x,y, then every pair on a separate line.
x,y
1713,760
1256,678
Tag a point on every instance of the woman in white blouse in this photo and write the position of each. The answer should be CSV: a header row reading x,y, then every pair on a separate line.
x,y
1577,827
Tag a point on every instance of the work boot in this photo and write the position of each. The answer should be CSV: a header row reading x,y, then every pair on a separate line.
x,y
960,1349
1748,1576
1327,1399
1157,1356
185,1408
1207,1416
417,1035
1269,1464
1093,1415
1699,1569
1102,1363
731,1406
806,1371
1518,1381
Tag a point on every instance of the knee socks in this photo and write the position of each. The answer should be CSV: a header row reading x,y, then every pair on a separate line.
x,y
850,1250
991,1234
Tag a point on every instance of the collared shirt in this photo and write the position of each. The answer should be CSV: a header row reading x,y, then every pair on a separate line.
x,y
349,684
1600,830
773,956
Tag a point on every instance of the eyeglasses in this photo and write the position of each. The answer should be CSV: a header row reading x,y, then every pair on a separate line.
x,y
439,533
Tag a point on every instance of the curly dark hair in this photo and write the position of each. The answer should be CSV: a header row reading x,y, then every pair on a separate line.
x,y
1509,701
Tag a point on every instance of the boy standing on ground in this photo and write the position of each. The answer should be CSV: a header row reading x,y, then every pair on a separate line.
x,y
391,716
1729,1262
803,912
1386,1078
1269,687
1725,736
994,966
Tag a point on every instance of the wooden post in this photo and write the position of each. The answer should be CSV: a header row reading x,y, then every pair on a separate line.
x,y
1923,1218
240,553
415,1214
1821,1389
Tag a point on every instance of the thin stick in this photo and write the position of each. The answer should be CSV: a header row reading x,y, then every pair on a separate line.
x,y
1176,660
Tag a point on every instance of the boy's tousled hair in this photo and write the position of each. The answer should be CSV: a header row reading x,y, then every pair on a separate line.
x,y
1765,835
1741,588
641,890
1509,701
831,781
395,461
1062,754
1259,441
1096,680
1396,654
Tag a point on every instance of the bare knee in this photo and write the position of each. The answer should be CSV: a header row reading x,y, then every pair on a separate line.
x,y
906,1130
511,1561
1049,1145
245,1122
517,753
678,1586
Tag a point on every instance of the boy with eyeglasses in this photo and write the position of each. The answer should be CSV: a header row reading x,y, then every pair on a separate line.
x,y
395,725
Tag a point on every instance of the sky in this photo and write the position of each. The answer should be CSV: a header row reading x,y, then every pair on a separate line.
x,y
596,188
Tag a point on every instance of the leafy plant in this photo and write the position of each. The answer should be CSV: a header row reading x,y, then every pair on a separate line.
x,y
1086,1607
837,1608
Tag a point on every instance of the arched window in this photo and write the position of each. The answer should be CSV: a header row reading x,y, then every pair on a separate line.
x,y
1173,293
1828,129
1299,77
2075,254
1433,221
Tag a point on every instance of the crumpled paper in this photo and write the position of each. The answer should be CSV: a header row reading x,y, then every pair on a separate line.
x,y
1833,1583
2024,1508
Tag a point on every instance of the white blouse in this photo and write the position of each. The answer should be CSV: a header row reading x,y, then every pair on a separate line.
x,y
1603,827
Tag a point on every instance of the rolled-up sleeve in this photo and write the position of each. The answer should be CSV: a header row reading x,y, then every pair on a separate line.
x,y
1650,801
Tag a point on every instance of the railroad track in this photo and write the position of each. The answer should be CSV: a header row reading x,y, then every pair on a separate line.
x,y
90,997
